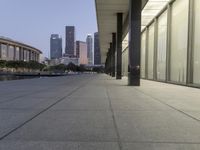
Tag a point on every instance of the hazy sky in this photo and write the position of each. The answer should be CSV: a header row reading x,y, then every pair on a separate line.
x,y
33,21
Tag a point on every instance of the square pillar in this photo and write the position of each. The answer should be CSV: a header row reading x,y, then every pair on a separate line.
x,y
134,42
119,45
109,60
113,53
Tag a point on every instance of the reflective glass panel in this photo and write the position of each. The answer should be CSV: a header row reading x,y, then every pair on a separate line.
x,y
150,52
179,38
161,46
196,44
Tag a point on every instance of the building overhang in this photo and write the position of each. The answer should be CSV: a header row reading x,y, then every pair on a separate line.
x,y
107,10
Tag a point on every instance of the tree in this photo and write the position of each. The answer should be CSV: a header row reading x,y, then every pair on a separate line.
x,y
71,67
58,68
99,69
34,65
2,63
81,68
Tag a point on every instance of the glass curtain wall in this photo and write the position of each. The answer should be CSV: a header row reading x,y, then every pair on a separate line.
x,y
150,52
3,51
125,62
196,43
17,53
25,54
162,46
10,53
125,55
143,54
179,38
28,55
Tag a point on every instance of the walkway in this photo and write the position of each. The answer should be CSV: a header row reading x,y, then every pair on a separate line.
x,y
96,112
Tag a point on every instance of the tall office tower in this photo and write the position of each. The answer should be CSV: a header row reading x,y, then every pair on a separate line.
x,y
69,40
81,52
97,53
55,46
89,49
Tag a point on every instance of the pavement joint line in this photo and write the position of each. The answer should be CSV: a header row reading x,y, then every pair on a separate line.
x,y
77,141
31,93
114,120
174,108
68,110
160,142
41,112
108,141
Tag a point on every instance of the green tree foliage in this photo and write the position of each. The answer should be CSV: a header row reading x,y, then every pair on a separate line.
x,y
99,69
81,68
58,68
71,67
21,64
2,63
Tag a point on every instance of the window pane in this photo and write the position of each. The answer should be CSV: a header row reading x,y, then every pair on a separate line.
x,y
150,51
143,53
196,43
125,62
3,51
162,43
179,34
21,53
10,53
125,55
25,55
17,53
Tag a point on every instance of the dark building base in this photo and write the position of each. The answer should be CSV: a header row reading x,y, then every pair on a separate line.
x,y
133,80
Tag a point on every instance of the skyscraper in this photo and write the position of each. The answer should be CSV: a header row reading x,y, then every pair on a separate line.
x,y
81,52
97,53
69,40
55,46
89,49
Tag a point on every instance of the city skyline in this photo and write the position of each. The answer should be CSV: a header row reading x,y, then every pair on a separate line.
x,y
26,25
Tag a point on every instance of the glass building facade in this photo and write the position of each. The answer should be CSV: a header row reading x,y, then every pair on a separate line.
x,y
170,47
143,54
11,50
196,43
150,52
179,38
162,47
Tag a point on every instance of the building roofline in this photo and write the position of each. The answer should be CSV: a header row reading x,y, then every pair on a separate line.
x,y
11,41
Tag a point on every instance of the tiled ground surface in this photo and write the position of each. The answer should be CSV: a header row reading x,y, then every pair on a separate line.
x,y
97,112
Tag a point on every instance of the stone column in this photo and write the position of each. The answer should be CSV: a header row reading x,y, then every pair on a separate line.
x,y
119,45
113,53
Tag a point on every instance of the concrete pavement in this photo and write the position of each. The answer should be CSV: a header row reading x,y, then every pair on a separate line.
x,y
97,112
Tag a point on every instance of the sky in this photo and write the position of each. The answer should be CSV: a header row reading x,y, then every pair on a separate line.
x,y
33,21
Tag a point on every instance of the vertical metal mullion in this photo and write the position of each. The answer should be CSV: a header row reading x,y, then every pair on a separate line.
x,y
190,49
155,48
168,49
146,52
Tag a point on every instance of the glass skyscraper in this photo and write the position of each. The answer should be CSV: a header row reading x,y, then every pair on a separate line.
x,y
55,46
89,49
69,40
81,52
97,54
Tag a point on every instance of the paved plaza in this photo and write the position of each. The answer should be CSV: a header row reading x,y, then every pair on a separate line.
x,y
97,112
